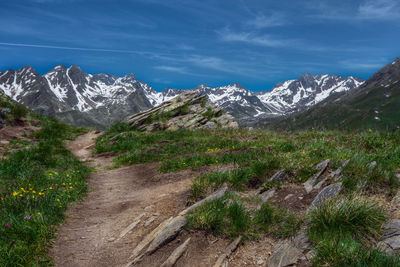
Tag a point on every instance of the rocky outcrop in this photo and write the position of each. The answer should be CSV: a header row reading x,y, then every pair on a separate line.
x,y
189,110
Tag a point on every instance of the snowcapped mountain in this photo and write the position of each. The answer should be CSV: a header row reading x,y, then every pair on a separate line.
x,y
306,91
77,97
287,97
100,99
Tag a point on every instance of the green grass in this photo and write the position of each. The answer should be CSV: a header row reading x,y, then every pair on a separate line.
x,y
277,222
222,216
295,152
227,216
36,185
241,178
343,229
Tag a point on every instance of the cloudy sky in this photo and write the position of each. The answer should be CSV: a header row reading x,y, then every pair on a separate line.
x,y
182,43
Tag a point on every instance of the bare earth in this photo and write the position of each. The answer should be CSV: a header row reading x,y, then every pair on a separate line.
x,y
91,233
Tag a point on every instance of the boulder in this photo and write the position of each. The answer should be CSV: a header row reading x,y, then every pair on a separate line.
x,y
189,110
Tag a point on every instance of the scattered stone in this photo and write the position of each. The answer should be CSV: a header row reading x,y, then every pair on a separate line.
x,y
228,251
288,196
278,177
4,142
131,226
309,184
285,254
168,229
260,262
338,172
391,236
329,191
265,196
149,221
112,239
391,228
288,252
211,125
176,254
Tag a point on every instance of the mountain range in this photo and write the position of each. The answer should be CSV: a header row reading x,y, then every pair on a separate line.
x,y
373,105
101,99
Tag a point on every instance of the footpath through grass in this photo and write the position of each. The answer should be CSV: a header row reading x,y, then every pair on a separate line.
x,y
36,185
343,232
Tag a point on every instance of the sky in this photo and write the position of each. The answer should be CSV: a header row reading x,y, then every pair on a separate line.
x,y
183,43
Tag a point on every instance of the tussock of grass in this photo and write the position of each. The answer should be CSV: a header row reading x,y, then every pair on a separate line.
x,y
342,229
228,216
36,185
338,253
222,216
277,222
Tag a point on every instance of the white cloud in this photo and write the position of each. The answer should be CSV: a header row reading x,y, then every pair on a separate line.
x,y
379,9
362,65
172,69
247,37
262,21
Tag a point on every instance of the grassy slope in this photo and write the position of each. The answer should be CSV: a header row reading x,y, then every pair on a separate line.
x,y
258,154
36,185
354,113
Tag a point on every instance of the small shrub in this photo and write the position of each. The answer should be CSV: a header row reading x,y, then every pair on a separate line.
x,y
19,111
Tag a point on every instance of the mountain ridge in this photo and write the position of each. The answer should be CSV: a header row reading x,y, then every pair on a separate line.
x,y
100,99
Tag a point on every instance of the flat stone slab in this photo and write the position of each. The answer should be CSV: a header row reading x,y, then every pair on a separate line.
x,y
329,191
285,254
391,228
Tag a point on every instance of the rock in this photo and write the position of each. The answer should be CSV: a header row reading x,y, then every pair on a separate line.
x,y
267,195
371,165
288,196
233,125
285,254
393,243
260,262
5,111
4,142
149,221
189,110
391,228
176,254
288,252
278,177
338,172
309,184
329,191
210,124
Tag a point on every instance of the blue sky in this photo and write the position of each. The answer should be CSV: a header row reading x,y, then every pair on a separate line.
x,y
182,43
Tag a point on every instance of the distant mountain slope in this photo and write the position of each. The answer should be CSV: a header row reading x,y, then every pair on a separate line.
x,y
373,105
100,99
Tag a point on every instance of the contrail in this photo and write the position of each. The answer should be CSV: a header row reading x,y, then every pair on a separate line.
x,y
76,48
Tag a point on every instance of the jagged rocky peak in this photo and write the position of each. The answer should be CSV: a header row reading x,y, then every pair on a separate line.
x,y
189,110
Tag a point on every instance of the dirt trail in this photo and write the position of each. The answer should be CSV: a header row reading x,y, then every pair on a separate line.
x,y
116,198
